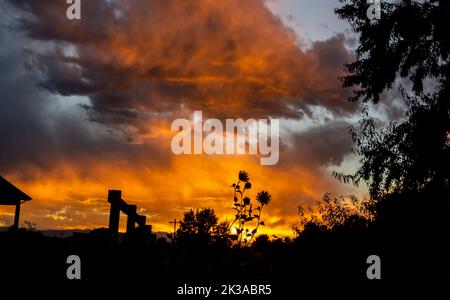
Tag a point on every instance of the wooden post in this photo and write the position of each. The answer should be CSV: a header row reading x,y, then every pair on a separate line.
x,y
131,220
17,216
119,205
114,197
141,220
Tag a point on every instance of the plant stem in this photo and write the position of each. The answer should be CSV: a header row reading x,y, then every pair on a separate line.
x,y
257,226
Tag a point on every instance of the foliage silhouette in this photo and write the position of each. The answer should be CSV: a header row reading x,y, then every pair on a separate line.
x,y
197,226
406,164
332,212
246,214
409,41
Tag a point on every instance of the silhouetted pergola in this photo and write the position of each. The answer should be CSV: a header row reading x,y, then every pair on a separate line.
x,y
11,195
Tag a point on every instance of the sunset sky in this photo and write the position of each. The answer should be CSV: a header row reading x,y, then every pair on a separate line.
x,y
86,106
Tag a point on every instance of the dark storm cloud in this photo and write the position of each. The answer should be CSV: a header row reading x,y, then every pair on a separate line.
x,y
322,145
34,135
228,58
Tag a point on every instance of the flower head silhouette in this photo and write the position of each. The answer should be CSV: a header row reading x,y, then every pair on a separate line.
x,y
263,197
243,176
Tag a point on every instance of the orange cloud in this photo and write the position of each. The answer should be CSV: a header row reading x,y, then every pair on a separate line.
x,y
64,199
140,64
228,58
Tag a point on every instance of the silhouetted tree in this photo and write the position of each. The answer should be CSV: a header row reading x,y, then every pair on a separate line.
x,y
221,233
409,41
197,227
406,164
199,222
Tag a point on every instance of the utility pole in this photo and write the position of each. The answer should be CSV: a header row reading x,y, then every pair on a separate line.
x,y
175,222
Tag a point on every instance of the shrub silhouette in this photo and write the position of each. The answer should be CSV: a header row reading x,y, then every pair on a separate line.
x,y
331,213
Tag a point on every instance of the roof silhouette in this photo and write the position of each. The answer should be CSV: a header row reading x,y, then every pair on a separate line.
x,y
11,195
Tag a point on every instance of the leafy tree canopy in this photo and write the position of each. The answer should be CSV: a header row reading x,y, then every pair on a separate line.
x,y
410,41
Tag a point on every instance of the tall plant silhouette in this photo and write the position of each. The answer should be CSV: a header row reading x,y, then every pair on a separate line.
x,y
248,217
